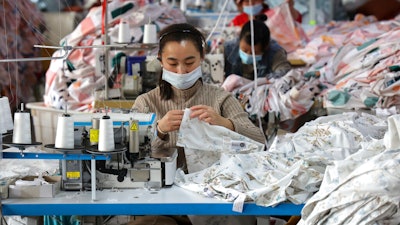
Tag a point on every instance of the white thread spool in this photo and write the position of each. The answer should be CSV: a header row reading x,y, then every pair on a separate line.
x,y
22,128
183,6
198,3
150,34
65,132
6,117
165,2
2,119
123,32
106,135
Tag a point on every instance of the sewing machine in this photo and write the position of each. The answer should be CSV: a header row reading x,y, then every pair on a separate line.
x,y
131,163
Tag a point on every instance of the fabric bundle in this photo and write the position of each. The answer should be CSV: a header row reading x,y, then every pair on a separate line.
x,y
75,79
337,165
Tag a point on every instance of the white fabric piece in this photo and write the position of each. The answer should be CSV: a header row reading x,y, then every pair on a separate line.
x,y
14,168
267,178
204,143
392,137
27,183
353,4
386,112
332,137
357,192
291,172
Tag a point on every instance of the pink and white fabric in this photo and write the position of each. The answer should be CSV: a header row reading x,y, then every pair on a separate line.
x,y
76,85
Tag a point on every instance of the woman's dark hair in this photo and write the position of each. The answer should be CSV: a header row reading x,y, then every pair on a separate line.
x,y
177,33
261,17
262,35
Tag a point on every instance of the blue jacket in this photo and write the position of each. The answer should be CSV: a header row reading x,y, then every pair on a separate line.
x,y
274,63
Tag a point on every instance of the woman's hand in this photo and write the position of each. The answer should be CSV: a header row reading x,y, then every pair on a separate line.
x,y
171,121
207,114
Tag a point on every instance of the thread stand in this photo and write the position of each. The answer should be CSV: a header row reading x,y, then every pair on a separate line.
x,y
76,149
119,148
22,146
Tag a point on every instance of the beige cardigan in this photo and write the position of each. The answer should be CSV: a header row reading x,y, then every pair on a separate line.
x,y
222,102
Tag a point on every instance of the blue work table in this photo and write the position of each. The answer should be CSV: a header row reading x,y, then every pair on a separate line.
x,y
166,201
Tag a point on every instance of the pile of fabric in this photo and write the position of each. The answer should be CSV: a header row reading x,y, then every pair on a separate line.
x,y
337,165
350,65
73,81
358,62
290,96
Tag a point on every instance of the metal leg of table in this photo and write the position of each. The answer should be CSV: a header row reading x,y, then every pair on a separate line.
x,y
93,180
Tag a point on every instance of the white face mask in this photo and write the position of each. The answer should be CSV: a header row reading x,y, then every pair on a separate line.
x,y
182,81
253,9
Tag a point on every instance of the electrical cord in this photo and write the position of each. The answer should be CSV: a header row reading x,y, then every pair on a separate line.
x,y
253,54
252,50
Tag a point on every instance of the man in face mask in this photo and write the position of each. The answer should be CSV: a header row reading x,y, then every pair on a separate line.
x,y
270,58
257,9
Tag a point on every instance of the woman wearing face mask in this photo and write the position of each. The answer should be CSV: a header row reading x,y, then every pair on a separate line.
x,y
271,59
181,51
258,9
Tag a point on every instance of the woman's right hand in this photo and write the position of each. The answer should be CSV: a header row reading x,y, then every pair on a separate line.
x,y
171,121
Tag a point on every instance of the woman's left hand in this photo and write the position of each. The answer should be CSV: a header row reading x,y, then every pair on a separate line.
x,y
207,114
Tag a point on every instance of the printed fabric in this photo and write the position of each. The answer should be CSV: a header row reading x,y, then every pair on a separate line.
x,y
338,166
204,143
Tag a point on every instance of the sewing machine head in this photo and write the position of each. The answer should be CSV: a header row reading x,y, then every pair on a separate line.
x,y
122,123
133,167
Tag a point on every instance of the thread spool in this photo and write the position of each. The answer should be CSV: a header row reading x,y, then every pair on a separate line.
x,y
65,132
123,32
198,3
2,120
106,135
22,127
150,34
6,117
165,2
183,6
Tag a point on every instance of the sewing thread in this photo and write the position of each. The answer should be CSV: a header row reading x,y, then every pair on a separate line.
x,y
6,117
65,132
22,128
106,135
